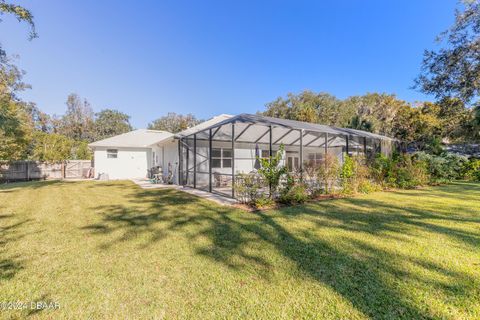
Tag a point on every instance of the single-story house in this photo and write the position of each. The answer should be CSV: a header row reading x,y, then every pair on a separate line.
x,y
132,154
214,154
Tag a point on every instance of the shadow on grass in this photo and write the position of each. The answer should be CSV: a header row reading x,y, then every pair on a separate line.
x,y
9,187
10,232
353,268
388,219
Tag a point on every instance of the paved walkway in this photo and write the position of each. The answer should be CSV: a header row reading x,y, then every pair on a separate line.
x,y
146,184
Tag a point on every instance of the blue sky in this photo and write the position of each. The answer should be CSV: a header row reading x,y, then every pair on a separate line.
x,y
147,58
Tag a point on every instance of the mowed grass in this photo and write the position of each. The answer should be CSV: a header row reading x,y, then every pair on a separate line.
x,y
112,250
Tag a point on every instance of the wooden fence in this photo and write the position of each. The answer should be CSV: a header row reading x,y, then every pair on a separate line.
x,y
36,170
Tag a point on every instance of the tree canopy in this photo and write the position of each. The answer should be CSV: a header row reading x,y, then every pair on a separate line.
x,y
109,123
20,13
78,121
173,122
448,119
454,69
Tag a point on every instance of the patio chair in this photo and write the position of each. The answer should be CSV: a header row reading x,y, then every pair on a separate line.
x,y
155,174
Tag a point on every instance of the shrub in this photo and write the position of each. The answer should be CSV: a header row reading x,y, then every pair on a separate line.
x,y
355,176
311,177
367,186
399,171
472,170
263,202
248,187
445,167
295,194
456,166
347,175
272,171
382,171
410,172
329,173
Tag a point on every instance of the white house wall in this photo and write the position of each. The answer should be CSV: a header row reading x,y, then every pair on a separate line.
x,y
130,162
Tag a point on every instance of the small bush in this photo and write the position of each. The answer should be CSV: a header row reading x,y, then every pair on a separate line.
x,y
368,186
328,173
311,177
410,172
355,176
272,171
248,187
472,170
400,171
382,170
294,195
263,202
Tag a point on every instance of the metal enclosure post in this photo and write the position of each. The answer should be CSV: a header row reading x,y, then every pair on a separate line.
x,y
233,159
326,150
210,160
301,155
195,161
365,147
270,159
270,141
346,142
187,180
180,162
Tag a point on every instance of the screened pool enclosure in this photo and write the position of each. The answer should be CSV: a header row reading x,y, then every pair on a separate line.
x,y
212,159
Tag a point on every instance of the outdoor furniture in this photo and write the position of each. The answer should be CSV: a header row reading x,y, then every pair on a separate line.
x,y
157,178
155,174
220,180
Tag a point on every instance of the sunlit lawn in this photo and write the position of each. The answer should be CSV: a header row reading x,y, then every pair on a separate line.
x,y
111,250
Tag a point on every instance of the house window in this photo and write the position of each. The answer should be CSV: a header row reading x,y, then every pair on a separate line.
x,y
221,158
315,158
154,162
112,153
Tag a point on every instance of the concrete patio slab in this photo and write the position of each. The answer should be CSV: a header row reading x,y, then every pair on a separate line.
x,y
147,184
219,199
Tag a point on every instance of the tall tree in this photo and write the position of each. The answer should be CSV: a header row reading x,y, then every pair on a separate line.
x,y
173,122
15,132
77,122
109,123
50,147
15,124
453,115
57,147
375,112
454,69
310,107
39,120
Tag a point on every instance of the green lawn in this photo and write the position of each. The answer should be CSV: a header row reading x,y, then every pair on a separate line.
x,y
112,250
